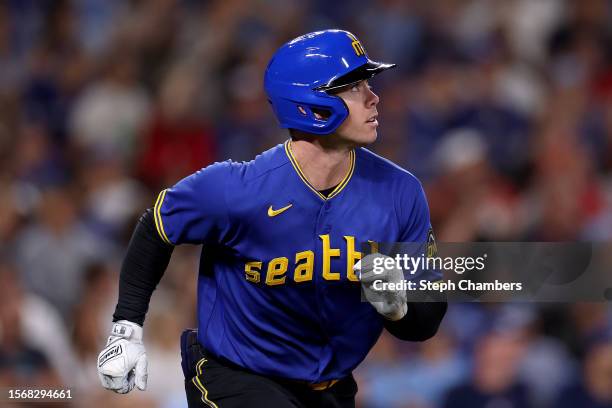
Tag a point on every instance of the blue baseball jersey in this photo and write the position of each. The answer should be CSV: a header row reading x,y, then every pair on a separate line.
x,y
276,289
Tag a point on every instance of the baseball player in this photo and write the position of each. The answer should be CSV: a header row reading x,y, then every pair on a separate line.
x,y
280,317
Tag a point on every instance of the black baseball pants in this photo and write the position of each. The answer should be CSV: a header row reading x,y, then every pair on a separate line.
x,y
212,383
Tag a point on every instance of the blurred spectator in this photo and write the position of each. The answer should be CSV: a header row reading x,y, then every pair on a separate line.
x,y
178,141
95,21
391,380
53,252
594,390
545,366
33,344
494,382
566,196
111,112
529,25
248,125
10,221
36,160
399,33
112,200
470,201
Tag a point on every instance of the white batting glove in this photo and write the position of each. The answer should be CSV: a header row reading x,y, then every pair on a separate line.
x,y
392,304
123,362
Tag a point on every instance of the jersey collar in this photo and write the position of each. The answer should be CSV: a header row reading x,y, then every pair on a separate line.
x,y
302,176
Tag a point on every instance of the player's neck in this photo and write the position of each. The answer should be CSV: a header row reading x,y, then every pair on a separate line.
x,y
323,165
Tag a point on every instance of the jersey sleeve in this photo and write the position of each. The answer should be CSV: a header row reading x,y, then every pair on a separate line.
x,y
417,229
195,209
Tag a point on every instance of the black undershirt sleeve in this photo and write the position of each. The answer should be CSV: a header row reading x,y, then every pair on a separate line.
x,y
421,321
144,264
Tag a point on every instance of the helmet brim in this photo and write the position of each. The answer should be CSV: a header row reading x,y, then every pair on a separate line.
x,y
365,71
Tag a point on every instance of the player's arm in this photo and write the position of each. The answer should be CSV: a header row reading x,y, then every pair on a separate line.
x,y
122,364
415,320
193,211
422,318
145,261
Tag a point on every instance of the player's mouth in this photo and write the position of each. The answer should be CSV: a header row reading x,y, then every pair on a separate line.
x,y
373,120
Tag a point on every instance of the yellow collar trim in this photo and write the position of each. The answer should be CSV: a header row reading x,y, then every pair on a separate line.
x,y
300,173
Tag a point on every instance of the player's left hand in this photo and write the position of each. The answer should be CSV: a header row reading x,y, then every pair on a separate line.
x,y
392,304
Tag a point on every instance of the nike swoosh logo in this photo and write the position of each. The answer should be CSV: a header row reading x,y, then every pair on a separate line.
x,y
274,213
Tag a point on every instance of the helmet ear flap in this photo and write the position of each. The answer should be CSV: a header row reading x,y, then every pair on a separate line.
x,y
319,114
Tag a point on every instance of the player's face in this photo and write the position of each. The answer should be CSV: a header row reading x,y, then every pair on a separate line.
x,y
361,123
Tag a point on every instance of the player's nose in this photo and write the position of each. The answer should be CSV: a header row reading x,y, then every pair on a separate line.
x,y
372,99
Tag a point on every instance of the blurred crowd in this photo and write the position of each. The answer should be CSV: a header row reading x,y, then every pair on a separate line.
x,y
502,108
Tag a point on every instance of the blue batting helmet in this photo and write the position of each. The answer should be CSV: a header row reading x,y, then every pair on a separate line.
x,y
303,71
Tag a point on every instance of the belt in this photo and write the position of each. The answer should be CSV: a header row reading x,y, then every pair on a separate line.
x,y
321,386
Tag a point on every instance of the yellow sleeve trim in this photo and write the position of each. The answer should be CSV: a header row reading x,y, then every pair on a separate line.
x,y
159,225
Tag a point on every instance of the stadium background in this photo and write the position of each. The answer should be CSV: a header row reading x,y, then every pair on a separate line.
x,y
502,108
